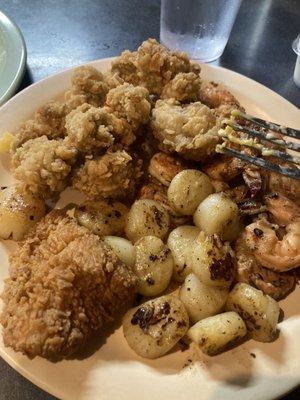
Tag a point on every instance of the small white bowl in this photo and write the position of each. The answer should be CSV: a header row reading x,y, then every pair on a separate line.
x,y
12,58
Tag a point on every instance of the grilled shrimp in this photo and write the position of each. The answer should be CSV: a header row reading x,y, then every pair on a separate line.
x,y
283,184
275,284
164,167
224,168
278,254
283,210
217,97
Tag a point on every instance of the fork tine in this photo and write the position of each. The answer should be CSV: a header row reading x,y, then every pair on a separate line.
x,y
281,154
294,133
253,143
264,136
260,162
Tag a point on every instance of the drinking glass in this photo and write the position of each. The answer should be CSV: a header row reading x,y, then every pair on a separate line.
x,y
296,48
201,28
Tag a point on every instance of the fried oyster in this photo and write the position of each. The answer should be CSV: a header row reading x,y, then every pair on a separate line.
x,y
87,86
190,130
43,165
113,175
49,120
152,66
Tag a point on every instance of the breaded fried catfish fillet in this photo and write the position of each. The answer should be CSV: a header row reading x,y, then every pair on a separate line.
x,y
64,284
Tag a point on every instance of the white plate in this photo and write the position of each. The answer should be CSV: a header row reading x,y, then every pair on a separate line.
x,y
114,371
12,58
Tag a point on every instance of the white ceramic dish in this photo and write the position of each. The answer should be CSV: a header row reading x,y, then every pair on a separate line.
x,y
112,370
12,58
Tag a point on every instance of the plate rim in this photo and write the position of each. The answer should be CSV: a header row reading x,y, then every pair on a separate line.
x,y
13,86
110,59
12,361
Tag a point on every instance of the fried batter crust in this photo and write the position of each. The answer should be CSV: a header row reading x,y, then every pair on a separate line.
x,y
113,175
191,130
151,66
64,284
43,165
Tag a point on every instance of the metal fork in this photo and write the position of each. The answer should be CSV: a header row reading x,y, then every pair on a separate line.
x,y
267,132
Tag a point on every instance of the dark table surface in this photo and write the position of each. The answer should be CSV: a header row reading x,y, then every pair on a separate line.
x,y
62,33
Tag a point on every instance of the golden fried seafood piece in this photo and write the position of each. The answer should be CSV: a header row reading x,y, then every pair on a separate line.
x,y
125,67
43,165
275,284
113,175
278,251
190,130
155,191
53,115
74,100
65,283
157,65
30,129
87,86
89,129
49,120
185,87
152,66
112,79
88,79
164,167
217,97
130,103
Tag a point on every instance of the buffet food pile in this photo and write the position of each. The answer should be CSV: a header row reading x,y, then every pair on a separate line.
x,y
187,243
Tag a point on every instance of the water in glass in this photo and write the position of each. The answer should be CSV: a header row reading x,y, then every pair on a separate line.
x,y
199,27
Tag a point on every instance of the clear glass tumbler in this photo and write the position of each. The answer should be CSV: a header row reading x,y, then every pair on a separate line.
x,y
201,28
